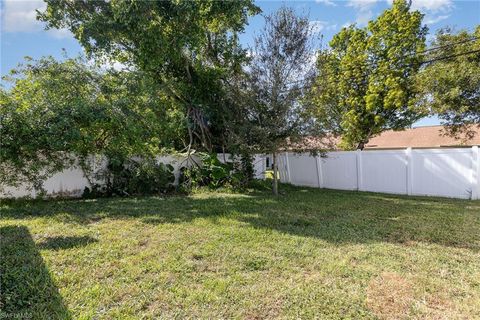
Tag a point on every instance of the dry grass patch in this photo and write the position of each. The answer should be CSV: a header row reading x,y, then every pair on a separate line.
x,y
390,296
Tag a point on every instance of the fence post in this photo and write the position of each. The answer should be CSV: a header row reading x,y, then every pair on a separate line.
x,y
318,161
359,170
409,164
475,173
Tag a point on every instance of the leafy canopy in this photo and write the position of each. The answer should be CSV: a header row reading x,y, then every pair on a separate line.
x,y
281,61
365,80
55,113
450,87
271,115
189,47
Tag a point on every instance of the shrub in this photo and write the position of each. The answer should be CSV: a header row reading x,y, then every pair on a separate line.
x,y
133,177
213,174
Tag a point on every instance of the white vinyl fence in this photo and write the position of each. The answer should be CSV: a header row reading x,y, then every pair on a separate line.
x,y
445,172
72,182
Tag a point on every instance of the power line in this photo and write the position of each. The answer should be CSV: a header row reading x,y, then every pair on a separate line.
x,y
421,63
425,51
446,45
451,56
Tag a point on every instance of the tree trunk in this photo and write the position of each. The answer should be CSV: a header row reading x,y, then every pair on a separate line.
x,y
275,174
362,144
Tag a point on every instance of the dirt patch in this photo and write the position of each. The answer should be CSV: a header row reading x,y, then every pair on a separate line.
x,y
440,307
390,296
265,311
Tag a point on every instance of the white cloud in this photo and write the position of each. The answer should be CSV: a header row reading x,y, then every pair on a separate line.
x,y
363,17
118,66
326,2
60,33
21,16
362,4
107,64
434,19
432,9
319,26
430,5
364,10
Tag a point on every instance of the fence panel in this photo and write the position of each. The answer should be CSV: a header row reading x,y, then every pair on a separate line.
x,y
433,172
383,171
442,172
303,170
69,183
259,166
282,165
339,170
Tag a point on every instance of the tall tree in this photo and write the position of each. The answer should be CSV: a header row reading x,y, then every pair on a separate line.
x,y
56,113
189,47
272,112
450,84
365,80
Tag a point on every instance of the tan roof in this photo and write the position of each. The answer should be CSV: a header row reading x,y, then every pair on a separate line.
x,y
421,137
328,142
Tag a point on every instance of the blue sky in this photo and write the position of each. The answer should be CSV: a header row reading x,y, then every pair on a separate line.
x,y
21,35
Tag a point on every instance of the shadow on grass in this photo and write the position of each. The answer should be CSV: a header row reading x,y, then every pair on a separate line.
x,y
60,243
27,290
330,215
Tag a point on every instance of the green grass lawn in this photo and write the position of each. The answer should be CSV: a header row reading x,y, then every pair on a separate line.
x,y
309,253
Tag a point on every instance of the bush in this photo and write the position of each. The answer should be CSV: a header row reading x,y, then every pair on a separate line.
x,y
133,177
213,174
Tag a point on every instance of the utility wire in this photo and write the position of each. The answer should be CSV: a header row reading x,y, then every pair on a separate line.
x,y
446,45
421,63
450,56
428,50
